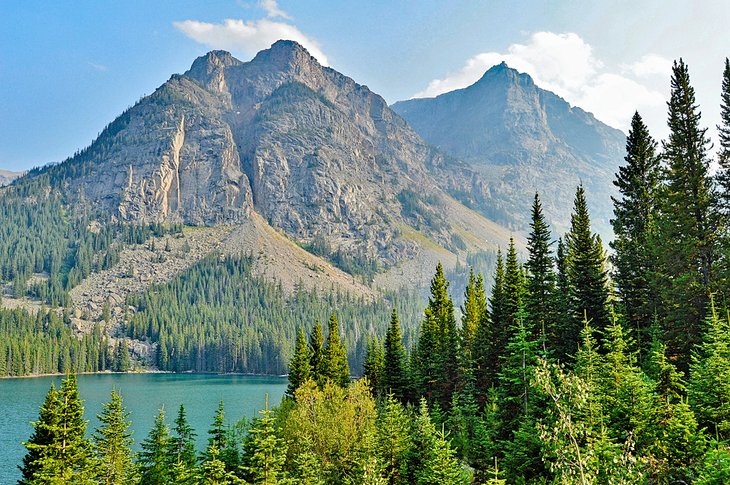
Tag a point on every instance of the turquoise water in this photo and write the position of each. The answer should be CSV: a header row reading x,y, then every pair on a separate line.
x,y
143,395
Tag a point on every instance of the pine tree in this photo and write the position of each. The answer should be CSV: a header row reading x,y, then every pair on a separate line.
x,y
316,352
513,288
392,439
436,356
686,227
587,278
492,334
264,451
723,174
58,451
395,361
540,296
300,366
335,365
709,388
633,225
45,432
155,459
373,365
113,444
472,311
183,442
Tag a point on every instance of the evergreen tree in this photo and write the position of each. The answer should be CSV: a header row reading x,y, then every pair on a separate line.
x,y
633,225
709,388
586,277
155,459
392,439
472,311
373,366
395,361
514,290
540,297
223,441
492,334
300,366
687,228
264,452
316,352
335,365
113,444
723,173
436,356
183,443
45,432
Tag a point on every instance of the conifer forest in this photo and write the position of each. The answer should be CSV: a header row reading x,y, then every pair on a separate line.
x,y
575,362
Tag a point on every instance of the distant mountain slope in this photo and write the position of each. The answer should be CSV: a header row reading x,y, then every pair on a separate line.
x,y
318,156
520,139
7,176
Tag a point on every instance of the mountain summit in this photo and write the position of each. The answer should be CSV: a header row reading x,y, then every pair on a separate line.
x,y
521,139
318,156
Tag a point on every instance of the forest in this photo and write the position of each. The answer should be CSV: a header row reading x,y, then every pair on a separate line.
x,y
579,367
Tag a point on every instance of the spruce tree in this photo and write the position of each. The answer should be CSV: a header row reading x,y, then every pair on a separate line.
x,y
335,365
513,287
264,451
492,334
686,227
45,432
472,311
373,365
395,361
540,296
316,352
586,277
723,173
155,458
633,225
437,350
392,439
300,366
113,444
183,441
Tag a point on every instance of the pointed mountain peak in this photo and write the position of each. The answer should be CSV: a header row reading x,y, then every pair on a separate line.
x,y
503,71
208,69
285,54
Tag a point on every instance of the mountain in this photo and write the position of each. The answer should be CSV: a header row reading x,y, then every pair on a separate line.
x,y
519,139
7,176
319,157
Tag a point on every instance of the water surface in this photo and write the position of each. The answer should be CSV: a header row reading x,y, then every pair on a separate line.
x,y
143,394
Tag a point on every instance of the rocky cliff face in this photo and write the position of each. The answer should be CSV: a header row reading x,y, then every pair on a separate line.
x,y
519,139
319,156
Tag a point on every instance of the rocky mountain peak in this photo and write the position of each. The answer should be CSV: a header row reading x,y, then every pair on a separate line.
x,y
285,55
209,69
503,73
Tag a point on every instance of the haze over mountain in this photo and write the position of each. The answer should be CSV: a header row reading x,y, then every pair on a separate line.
x,y
520,139
7,176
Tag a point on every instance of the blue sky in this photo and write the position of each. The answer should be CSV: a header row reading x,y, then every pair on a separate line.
x,y
69,68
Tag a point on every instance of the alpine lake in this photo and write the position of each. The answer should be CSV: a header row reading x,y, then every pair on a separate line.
x,y
144,394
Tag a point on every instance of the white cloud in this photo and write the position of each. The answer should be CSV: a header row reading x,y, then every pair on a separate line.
x,y
650,65
272,9
248,37
98,67
566,65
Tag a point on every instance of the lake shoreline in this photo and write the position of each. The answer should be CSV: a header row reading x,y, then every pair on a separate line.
x,y
60,374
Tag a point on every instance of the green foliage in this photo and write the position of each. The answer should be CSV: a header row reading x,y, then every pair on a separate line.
x,y
300,368
395,361
113,444
264,452
155,460
334,364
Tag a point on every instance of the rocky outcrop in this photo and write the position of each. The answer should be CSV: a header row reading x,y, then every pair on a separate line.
x,y
519,139
7,176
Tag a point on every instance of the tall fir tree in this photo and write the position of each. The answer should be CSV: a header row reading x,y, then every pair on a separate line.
x,y
686,227
264,451
492,334
45,432
392,439
155,458
723,158
300,365
587,278
540,298
373,365
316,352
335,365
395,361
437,364
472,311
113,444
514,290
183,442
633,224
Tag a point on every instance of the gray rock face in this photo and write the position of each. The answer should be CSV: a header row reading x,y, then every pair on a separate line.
x,y
317,155
519,139
7,176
